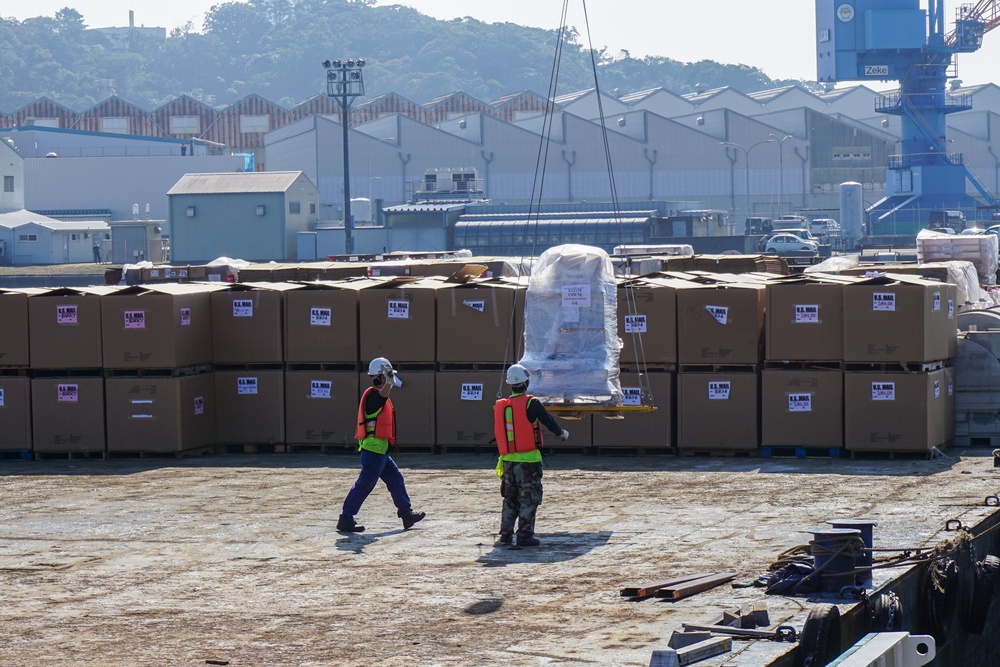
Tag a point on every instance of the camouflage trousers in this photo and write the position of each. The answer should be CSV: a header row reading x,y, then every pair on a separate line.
x,y
521,487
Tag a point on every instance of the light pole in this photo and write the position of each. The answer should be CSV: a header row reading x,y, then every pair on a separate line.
x,y
746,155
781,171
344,83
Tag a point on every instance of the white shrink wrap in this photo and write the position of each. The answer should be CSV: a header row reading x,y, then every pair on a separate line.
x,y
571,343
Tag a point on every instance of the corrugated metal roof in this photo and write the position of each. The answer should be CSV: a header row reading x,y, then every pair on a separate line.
x,y
423,208
470,221
13,219
60,226
569,216
234,182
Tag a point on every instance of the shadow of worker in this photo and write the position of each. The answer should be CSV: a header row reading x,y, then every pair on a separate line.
x,y
554,548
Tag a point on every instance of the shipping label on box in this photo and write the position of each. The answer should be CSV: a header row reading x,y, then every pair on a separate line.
x,y
398,310
937,302
135,319
68,393
807,314
720,313
576,296
243,308
951,309
199,405
479,306
472,391
883,391
800,402
635,324
718,391
632,396
1,397
884,301
246,386
67,314
320,317
320,389
185,317
937,388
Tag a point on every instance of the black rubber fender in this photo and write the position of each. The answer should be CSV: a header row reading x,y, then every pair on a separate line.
x,y
819,643
940,605
887,613
982,593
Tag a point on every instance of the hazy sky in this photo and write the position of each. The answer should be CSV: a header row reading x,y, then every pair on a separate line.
x,y
776,36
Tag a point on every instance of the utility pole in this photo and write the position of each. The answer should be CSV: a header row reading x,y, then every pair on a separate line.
x,y
344,83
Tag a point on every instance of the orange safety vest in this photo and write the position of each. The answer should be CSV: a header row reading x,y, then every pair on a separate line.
x,y
513,431
382,426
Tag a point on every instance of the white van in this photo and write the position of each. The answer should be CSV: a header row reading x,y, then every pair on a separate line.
x,y
824,226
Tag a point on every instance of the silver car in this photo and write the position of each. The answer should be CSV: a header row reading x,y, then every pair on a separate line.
x,y
790,245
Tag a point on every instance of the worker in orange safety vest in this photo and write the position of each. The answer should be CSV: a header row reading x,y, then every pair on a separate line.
x,y
375,431
517,422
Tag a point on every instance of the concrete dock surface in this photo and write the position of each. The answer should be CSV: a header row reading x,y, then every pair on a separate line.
x,y
235,559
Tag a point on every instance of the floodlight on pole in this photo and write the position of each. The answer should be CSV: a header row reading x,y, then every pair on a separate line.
x,y
344,83
781,171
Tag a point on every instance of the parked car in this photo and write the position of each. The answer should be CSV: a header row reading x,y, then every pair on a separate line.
x,y
824,226
791,245
943,230
758,225
953,219
972,231
801,233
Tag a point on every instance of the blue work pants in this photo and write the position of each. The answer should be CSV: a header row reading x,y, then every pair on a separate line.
x,y
373,468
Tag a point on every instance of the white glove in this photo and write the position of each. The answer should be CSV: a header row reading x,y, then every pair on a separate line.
x,y
564,435
388,373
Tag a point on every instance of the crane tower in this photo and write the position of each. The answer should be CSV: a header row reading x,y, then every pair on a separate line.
x,y
897,40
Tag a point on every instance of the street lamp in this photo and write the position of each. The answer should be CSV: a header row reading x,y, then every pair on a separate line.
x,y
344,83
746,154
781,171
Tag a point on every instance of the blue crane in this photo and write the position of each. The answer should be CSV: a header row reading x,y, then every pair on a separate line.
x,y
896,40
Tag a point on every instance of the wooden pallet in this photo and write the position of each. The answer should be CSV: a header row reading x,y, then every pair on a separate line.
x,y
895,366
730,453
174,454
922,455
803,365
57,455
16,454
800,452
181,371
719,368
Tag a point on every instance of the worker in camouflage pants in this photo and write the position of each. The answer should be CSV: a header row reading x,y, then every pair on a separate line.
x,y
517,422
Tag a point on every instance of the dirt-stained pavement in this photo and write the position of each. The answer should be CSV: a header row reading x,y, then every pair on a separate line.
x,y
234,559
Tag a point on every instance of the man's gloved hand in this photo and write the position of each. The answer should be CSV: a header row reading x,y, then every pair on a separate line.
x,y
388,373
564,435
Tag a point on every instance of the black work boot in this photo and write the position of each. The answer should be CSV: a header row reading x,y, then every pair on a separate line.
x,y
346,524
528,541
410,517
505,538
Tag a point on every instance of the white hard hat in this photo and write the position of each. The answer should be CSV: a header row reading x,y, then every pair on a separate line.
x,y
378,366
517,374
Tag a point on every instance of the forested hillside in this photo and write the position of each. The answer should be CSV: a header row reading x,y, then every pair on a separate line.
x,y
274,48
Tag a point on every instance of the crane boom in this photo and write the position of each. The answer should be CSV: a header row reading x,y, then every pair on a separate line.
x,y
986,12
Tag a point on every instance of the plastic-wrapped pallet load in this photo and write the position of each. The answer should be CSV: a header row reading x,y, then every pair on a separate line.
x,y
571,343
980,249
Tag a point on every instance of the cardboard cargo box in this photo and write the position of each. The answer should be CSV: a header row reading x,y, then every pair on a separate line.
x,y
65,327
950,400
464,407
67,414
896,411
321,407
415,404
14,328
647,320
160,414
397,319
479,321
157,326
802,408
895,318
717,411
247,326
321,324
642,429
720,323
15,413
805,319
250,406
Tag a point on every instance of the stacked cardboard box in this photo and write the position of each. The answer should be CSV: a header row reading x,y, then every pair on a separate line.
x,y
720,337
15,386
248,347
899,332
157,348
66,359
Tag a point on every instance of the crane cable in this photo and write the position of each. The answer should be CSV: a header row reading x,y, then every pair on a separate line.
x,y
534,206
